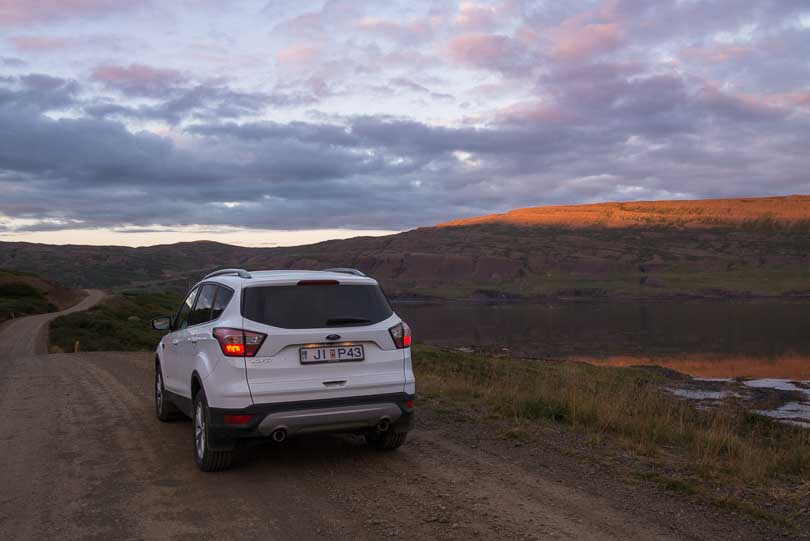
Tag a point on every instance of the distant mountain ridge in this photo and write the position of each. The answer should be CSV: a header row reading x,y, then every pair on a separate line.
x,y
714,248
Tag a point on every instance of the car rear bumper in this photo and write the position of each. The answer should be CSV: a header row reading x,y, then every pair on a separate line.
x,y
354,414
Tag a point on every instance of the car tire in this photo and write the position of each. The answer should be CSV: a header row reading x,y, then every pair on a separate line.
x,y
207,460
386,441
164,409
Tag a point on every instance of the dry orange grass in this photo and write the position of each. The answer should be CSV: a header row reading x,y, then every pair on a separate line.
x,y
788,211
715,365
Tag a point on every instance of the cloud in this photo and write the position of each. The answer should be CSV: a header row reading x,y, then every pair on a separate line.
x,y
413,31
422,111
473,17
12,62
585,36
716,54
138,79
38,92
39,43
490,52
14,12
299,53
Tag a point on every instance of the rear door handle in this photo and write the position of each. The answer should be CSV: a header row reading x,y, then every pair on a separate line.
x,y
175,342
336,383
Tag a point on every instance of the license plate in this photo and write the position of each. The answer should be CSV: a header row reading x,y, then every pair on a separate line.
x,y
331,354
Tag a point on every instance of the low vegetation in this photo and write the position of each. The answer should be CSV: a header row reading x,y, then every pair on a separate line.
x,y
23,294
629,403
119,323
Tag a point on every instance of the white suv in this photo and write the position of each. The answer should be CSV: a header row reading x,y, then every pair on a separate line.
x,y
281,353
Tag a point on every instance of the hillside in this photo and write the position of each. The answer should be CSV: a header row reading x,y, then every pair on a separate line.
x,y
25,294
719,248
791,211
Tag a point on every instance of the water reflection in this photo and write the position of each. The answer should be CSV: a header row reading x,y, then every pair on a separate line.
x,y
708,339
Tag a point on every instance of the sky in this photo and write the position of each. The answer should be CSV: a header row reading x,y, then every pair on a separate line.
x,y
269,123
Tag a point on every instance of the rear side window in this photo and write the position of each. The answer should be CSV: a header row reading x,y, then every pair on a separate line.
x,y
315,306
185,310
202,310
221,301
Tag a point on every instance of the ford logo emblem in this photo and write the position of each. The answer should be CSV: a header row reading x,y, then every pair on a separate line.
x,y
333,337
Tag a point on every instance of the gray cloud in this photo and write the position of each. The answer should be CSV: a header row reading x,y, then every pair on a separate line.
x,y
616,100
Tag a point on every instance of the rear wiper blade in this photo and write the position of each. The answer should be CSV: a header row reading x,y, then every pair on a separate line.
x,y
345,320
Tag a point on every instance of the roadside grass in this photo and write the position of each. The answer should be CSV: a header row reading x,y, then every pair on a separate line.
x,y
693,488
119,323
630,403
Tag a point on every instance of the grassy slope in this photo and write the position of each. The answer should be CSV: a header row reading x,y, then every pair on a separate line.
x,y
120,323
23,294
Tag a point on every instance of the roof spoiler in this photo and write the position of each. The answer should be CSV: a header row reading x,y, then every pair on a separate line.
x,y
346,271
242,273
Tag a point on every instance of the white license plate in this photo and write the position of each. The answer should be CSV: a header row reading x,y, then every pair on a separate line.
x,y
331,354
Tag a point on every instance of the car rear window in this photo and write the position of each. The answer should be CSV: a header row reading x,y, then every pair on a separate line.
x,y
315,306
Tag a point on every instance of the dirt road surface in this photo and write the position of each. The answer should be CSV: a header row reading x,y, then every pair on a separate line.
x,y
82,456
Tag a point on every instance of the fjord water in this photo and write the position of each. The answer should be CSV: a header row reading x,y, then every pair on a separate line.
x,y
754,339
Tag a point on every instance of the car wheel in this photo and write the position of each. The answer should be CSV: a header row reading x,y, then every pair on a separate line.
x,y
386,441
207,459
164,409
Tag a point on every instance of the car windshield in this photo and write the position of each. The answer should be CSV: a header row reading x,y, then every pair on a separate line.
x,y
315,306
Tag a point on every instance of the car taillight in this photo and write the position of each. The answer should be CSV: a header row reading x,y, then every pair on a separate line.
x,y
239,342
401,335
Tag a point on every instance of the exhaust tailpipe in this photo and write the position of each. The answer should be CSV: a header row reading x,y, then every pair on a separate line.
x,y
279,435
383,425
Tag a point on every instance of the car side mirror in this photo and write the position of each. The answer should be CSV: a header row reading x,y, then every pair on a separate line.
x,y
162,323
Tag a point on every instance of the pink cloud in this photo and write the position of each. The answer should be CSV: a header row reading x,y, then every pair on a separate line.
x,y
31,11
580,43
715,55
793,99
489,51
298,54
138,79
38,43
476,17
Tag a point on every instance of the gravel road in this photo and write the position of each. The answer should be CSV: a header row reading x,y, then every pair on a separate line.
x,y
83,457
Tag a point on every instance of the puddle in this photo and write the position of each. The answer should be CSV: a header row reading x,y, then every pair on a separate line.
x,y
778,384
694,394
791,411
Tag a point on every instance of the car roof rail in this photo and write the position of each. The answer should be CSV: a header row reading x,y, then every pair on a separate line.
x,y
346,271
242,273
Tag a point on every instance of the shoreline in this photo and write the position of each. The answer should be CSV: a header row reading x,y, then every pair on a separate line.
x,y
545,299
